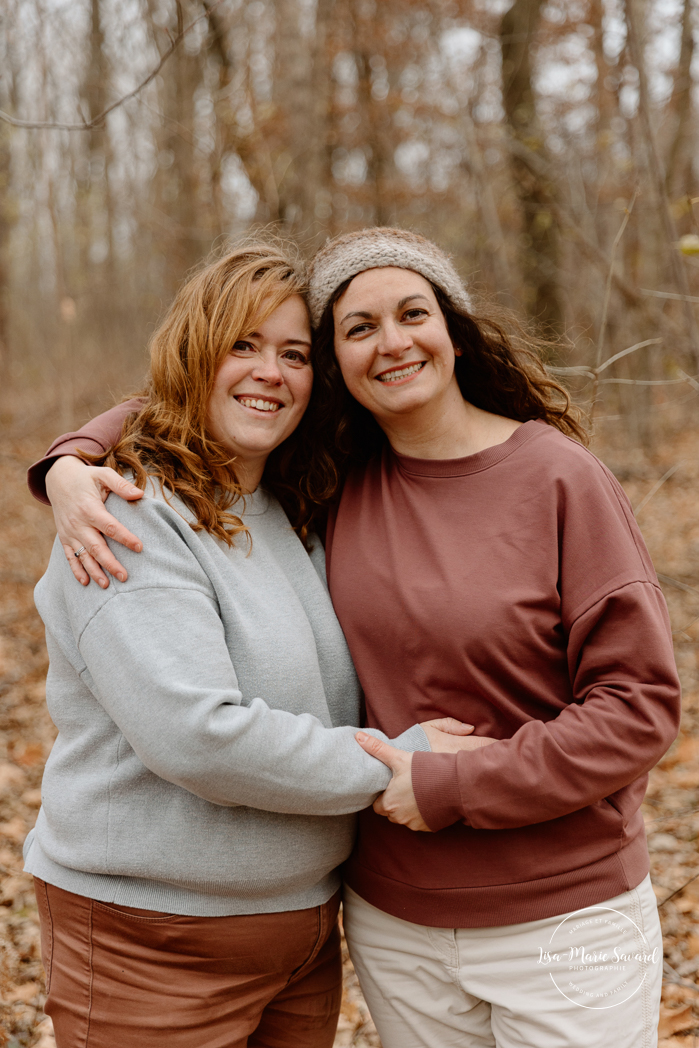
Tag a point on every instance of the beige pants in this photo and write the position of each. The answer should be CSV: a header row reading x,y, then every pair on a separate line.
x,y
588,980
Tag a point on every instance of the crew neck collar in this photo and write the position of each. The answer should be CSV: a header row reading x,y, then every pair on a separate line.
x,y
461,467
256,503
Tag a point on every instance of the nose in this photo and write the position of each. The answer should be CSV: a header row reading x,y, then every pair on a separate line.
x,y
393,340
266,369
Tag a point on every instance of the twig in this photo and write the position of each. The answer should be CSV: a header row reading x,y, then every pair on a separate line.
x,y
669,294
678,585
655,488
675,815
688,378
671,976
584,369
658,175
625,353
678,890
608,285
642,381
97,121
683,632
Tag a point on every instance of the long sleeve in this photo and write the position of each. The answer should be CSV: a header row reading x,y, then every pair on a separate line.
x,y
624,717
164,655
95,437
166,663
623,711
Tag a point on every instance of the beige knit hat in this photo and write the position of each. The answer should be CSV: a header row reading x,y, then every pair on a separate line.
x,y
352,253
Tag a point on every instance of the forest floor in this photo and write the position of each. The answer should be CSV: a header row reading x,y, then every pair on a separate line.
x,y
670,523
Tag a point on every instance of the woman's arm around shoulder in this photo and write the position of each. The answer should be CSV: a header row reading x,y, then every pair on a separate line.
x,y
77,492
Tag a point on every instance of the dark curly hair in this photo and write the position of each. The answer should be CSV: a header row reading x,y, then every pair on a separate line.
x,y
500,370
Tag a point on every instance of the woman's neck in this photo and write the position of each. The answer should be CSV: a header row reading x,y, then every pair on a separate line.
x,y
458,429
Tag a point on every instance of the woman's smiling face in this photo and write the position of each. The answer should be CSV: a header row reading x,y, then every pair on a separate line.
x,y
392,343
263,387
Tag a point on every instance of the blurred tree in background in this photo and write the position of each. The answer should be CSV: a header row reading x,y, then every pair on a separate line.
x,y
549,145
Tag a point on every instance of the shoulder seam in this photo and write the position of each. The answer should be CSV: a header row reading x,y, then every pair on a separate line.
x,y
611,482
615,589
138,589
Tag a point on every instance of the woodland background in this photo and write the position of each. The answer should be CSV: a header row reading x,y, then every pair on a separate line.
x,y
550,147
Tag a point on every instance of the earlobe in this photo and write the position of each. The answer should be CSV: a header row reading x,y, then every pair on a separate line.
x,y
458,352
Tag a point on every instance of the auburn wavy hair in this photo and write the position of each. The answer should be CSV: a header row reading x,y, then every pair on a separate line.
x,y
501,370
168,439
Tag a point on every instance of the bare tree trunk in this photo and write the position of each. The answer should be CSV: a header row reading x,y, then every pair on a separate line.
x,y
176,184
605,96
376,128
5,226
300,88
634,19
539,255
65,315
488,208
679,161
94,203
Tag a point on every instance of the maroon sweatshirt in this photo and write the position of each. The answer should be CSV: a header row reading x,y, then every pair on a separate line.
x,y
510,589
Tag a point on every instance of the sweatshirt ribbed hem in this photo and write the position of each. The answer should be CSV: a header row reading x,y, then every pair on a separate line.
x,y
168,898
493,905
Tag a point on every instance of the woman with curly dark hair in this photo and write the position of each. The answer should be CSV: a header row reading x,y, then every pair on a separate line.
x,y
484,565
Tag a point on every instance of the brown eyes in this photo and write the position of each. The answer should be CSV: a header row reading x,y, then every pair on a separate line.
x,y
293,356
410,314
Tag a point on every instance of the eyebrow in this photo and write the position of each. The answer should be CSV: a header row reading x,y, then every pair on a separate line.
x,y
288,342
403,302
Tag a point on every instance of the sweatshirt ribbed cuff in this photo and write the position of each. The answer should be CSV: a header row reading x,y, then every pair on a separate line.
x,y
436,787
411,740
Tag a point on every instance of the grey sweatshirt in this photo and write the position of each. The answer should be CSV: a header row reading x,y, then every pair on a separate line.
x,y
206,708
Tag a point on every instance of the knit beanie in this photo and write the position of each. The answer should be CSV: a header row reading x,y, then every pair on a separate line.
x,y
352,253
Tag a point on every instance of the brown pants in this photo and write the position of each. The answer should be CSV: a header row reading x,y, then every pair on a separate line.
x,y
118,977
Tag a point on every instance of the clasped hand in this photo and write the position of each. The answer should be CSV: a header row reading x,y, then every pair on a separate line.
x,y
397,803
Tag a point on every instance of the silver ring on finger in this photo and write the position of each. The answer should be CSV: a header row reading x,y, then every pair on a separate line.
x,y
79,552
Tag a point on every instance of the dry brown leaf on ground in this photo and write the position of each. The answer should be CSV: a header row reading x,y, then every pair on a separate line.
x,y
675,1020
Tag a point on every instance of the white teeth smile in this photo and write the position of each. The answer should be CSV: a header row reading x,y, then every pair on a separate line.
x,y
261,405
392,376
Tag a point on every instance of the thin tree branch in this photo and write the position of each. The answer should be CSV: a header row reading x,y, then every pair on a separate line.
x,y
657,173
656,487
688,625
669,974
678,585
642,381
608,286
672,896
674,815
625,352
669,294
97,121
583,369
688,378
